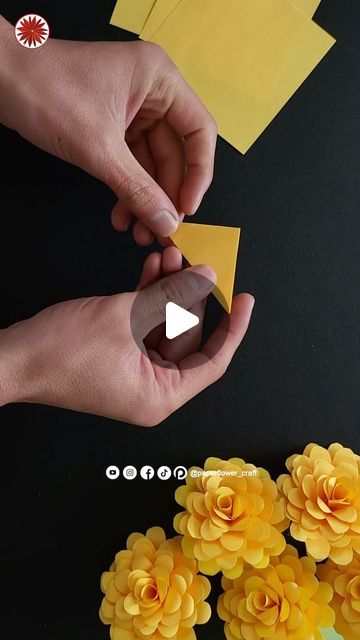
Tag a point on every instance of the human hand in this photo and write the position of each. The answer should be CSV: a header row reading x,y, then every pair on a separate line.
x,y
120,111
82,355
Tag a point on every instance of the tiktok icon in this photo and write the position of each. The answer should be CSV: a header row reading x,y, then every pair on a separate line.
x,y
164,473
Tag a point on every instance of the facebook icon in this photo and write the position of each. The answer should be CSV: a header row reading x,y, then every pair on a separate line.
x,y
147,472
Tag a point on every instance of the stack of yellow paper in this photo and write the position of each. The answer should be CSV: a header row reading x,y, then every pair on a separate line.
x,y
146,16
131,14
244,58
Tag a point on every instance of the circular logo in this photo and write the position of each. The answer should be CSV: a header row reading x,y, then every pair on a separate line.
x,y
129,472
176,310
112,472
164,473
32,31
180,472
147,472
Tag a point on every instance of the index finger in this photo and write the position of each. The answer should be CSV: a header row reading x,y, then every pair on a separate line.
x,y
191,120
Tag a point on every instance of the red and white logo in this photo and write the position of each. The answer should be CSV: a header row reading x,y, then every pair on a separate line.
x,y
32,31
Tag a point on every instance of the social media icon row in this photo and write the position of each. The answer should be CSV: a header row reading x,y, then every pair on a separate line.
x,y
147,472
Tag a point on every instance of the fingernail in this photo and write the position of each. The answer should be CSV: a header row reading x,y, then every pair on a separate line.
x,y
194,208
197,205
165,223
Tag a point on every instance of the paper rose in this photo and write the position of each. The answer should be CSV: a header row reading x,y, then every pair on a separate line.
x,y
322,496
284,601
346,599
232,514
152,592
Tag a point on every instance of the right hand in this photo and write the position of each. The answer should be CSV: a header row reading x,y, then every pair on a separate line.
x,y
81,354
121,111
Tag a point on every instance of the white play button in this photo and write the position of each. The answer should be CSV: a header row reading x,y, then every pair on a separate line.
x,y
178,320
148,312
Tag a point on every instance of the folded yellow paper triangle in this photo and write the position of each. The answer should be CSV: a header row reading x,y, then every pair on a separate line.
x,y
215,246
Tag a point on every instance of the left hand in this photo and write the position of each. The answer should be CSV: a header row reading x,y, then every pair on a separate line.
x,y
82,355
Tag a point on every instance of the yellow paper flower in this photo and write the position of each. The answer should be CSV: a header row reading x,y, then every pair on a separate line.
x,y
284,601
232,514
322,496
152,592
346,599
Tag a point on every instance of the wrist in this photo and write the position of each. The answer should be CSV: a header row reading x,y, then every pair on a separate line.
x,y
10,61
7,35
16,70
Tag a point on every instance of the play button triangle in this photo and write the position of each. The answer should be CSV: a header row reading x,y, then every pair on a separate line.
x,y
178,320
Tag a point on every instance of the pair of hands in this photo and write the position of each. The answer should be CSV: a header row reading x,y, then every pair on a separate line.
x,y
123,113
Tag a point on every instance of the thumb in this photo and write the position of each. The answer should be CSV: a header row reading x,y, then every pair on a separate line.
x,y
185,288
142,195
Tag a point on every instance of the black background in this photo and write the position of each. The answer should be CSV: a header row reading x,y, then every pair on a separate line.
x,y
295,379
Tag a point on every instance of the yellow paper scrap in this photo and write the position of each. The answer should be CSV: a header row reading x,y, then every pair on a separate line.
x,y
161,10
215,246
246,71
131,14
307,6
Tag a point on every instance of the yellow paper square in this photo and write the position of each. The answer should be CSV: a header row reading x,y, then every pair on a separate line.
x,y
248,69
131,14
307,6
161,10
144,17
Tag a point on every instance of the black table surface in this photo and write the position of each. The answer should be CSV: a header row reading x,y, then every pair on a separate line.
x,y
295,379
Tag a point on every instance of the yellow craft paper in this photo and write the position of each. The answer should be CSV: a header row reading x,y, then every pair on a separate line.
x,y
131,14
215,246
307,6
163,8
159,13
248,69
144,17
